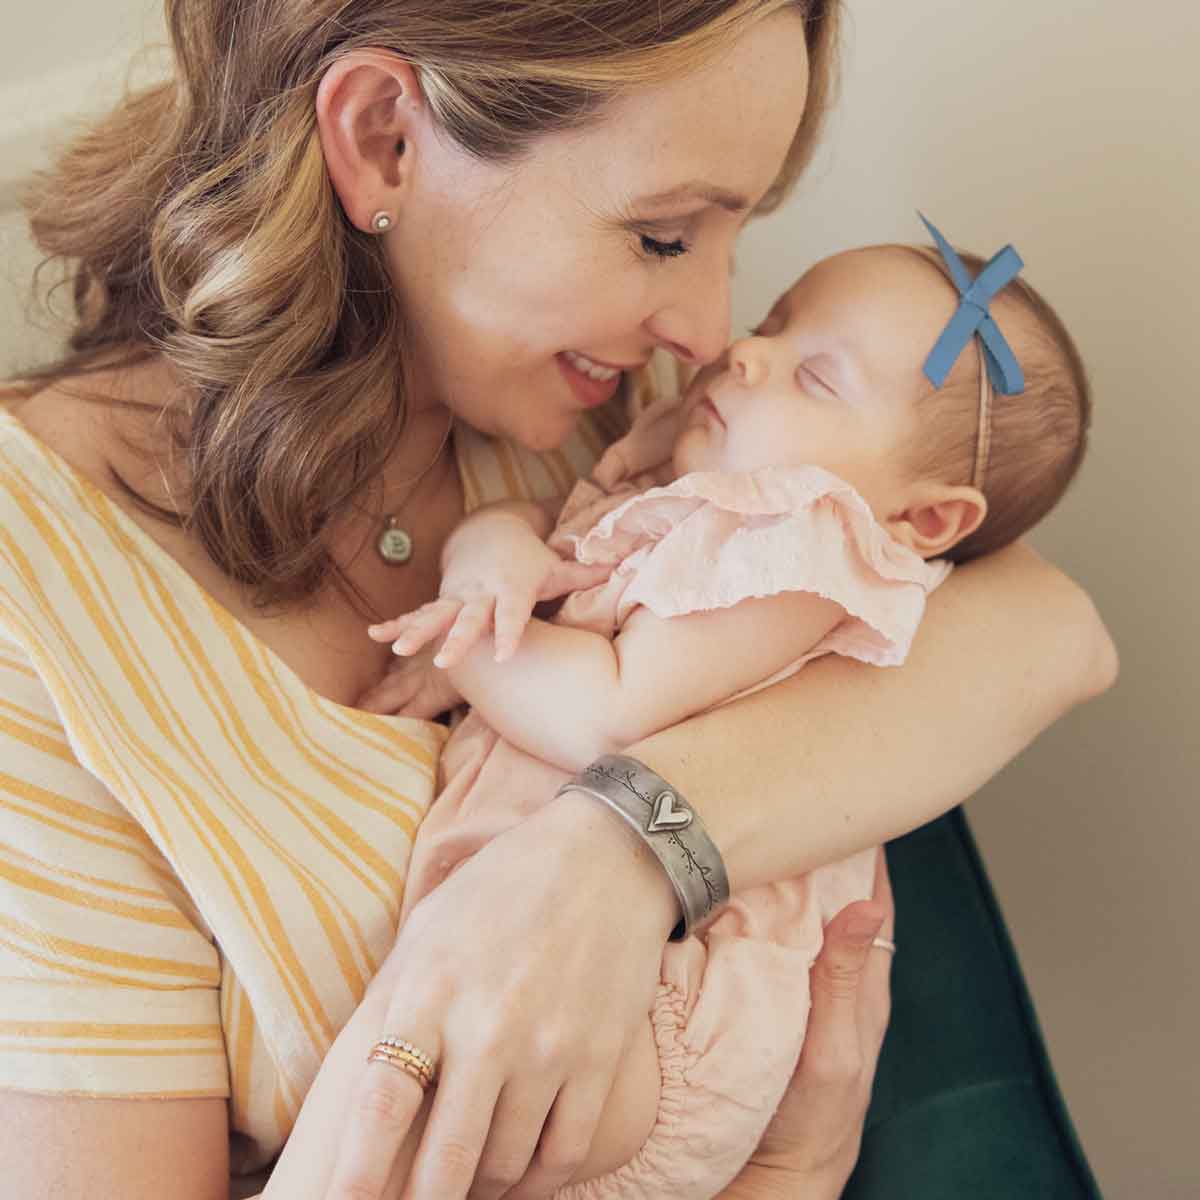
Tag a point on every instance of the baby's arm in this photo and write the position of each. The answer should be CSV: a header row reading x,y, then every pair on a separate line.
x,y
569,695
496,567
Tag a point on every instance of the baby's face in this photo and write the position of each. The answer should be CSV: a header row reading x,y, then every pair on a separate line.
x,y
830,378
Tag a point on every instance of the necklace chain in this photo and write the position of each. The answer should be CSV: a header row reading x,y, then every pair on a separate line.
x,y
395,544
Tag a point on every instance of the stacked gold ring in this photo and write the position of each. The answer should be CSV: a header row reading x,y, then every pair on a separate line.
x,y
405,1057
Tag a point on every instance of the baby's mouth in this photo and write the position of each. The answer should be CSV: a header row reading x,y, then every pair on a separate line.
x,y
707,406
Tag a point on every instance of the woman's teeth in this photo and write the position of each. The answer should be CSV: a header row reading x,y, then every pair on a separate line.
x,y
593,370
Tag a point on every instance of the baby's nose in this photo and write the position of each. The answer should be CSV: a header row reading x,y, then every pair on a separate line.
x,y
747,364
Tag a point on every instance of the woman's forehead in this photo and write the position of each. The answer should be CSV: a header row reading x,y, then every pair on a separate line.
x,y
717,134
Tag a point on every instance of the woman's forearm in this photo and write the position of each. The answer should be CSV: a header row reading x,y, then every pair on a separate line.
x,y
844,755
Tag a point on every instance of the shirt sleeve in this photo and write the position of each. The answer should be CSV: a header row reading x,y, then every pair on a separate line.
x,y
109,982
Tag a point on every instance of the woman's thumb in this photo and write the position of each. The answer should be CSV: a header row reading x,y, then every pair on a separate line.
x,y
839,966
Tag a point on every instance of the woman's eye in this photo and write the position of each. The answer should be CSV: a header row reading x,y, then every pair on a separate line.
x,y
657,249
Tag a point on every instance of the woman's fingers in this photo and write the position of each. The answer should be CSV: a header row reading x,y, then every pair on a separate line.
x,y
395,690
385,1104
833,1045
454,1138
565,1140
521,1113
875,995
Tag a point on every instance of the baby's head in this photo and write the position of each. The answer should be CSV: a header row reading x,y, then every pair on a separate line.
x,y
834,377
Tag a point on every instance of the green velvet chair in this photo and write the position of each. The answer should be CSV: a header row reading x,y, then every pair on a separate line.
x,y
965,1105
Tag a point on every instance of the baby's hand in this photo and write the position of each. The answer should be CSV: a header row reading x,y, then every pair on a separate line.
x,y
495,574
411,687
504,611
648,444
458,623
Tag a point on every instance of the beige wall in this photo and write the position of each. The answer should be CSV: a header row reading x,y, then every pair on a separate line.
x,y
1067,127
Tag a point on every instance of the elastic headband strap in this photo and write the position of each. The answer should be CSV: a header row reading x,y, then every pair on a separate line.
x,y
983,439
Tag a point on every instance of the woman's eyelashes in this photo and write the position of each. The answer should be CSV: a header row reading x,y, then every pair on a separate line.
x,y
655,248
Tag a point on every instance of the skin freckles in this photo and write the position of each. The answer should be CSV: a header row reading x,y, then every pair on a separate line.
x,y
504,268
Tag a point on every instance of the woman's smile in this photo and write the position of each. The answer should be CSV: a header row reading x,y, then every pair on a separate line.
x,y
593,383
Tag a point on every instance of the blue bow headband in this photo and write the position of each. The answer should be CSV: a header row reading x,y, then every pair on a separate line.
x,y
974,320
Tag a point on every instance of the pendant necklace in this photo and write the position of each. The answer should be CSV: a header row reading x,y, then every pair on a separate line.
x,y
395,544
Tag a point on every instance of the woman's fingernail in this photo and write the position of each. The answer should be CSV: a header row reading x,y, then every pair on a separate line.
x,y
864,927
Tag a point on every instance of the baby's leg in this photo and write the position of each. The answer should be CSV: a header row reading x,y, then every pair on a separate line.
x,y
625,1124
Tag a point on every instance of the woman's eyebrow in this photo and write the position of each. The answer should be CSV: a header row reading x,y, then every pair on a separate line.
x,y
698,189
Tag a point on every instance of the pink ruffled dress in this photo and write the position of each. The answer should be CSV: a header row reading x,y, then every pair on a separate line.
x,y
732,1005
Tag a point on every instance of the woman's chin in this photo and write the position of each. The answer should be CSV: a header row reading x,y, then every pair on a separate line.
x,y
545,435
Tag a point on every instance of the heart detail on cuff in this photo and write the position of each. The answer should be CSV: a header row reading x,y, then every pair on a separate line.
x,y
666,815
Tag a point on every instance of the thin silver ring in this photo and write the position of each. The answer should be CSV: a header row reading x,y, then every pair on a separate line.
x,y
884,944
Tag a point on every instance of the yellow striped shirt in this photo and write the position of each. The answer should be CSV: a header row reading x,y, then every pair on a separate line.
x,y
201,859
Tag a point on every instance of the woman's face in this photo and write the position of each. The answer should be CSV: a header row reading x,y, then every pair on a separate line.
x,y
530,287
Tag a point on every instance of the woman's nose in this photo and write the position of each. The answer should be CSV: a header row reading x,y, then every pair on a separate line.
x,y
693,322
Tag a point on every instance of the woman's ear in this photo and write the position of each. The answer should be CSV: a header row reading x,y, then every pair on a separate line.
x,y
369,104
936,517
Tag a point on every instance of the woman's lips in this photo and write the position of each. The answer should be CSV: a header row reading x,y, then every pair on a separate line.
x,y
588,391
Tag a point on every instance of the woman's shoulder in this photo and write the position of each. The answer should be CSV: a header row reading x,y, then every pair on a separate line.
x,y
91,424
57,422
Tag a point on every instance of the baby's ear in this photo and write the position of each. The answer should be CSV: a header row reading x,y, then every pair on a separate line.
x,y
936,517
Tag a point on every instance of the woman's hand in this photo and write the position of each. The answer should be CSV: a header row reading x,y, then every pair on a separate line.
x,y
812,1144
495,569
523,975
411,687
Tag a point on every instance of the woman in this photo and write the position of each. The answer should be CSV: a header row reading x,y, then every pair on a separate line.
x,y
342,232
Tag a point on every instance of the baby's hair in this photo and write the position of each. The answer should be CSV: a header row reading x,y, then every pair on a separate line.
x,y
1038,438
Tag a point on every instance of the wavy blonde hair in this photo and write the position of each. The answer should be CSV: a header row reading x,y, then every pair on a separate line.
x,y
197,222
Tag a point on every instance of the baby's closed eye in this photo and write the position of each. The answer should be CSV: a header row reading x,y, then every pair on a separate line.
x,y
811,379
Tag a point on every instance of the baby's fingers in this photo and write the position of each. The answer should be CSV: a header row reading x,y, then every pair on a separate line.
x,y
473,622
610,470
569,576
511,616
425,625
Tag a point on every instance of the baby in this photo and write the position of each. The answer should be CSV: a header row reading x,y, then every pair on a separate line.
x,y
804,497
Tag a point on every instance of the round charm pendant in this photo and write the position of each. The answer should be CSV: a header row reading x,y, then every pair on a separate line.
x,y
395,546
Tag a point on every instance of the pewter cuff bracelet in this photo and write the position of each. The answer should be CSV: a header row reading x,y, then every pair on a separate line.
x,y
670,828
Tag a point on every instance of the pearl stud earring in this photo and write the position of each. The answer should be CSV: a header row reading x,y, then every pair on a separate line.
x,y
381,222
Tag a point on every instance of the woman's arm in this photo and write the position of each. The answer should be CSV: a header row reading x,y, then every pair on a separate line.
x,y
134,1149
846,756
792,777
